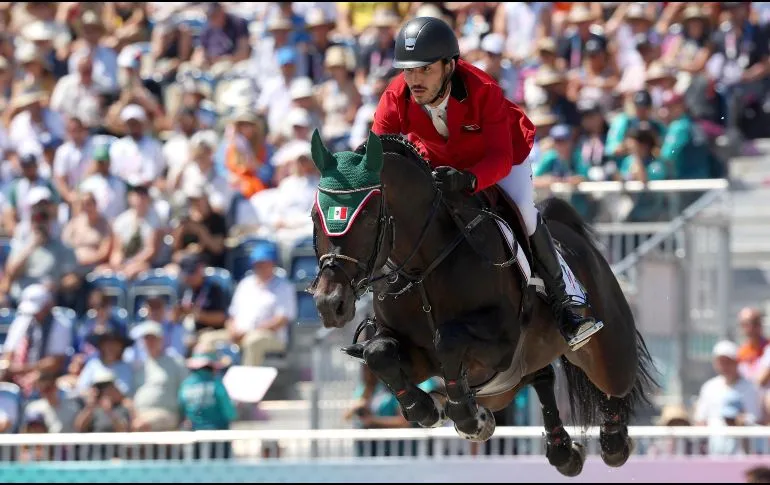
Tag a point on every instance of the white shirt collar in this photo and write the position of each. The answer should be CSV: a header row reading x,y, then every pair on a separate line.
x,y
441,107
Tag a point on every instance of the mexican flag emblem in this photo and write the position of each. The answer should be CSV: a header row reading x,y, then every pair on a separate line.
x,y
337,214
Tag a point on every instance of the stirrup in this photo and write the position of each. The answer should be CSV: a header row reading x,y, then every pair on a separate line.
x,y
584,333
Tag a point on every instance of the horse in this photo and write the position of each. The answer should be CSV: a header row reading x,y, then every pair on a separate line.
x,y
450,302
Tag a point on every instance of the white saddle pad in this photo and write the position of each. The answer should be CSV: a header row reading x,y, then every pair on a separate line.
x,y
574,288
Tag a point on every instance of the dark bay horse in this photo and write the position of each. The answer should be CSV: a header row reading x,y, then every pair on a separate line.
x,y
445,305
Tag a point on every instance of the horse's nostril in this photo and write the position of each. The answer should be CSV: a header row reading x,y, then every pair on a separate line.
x,y
340,308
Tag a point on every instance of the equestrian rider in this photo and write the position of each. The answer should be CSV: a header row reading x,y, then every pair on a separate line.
x,y
459,118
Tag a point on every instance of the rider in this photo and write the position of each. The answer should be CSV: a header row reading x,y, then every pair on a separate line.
x,y
459,118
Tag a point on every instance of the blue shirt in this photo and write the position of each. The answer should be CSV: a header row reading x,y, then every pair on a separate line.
x,y
123,372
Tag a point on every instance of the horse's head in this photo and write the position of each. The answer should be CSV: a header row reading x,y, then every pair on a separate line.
x,y
350,226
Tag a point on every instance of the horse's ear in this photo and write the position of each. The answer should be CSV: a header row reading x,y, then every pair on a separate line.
x,y
322,158
374,155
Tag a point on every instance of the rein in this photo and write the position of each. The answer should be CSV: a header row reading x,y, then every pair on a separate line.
x,y
392,271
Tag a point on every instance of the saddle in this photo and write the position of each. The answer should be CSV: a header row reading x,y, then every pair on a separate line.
x,y
501,203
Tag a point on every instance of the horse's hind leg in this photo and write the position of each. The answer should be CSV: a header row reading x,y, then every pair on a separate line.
x,y
385,359
564,454
472,422
616,445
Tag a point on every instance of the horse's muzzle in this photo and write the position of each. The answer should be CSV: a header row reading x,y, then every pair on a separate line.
x,y
336,308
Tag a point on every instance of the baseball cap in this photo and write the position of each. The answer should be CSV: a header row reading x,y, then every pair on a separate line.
x,y
101,153
560,132
38,194
28,159
301,87
726,348
49,141
299,117
147,327
207,138
265,251
34,298
103,376
643,98
133,112
588,106
189,263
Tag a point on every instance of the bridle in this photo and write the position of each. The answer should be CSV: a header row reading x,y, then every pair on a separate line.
x,y
385,223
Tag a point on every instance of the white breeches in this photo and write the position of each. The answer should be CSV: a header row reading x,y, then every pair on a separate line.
x,y
518,185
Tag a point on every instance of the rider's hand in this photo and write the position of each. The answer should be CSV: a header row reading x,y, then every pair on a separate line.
x,y
449,179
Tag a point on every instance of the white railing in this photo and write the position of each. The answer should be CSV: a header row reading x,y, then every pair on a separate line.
x,y
695,185
339,444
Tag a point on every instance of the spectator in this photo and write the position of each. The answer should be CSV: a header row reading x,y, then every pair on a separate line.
x,y
750,352
176,150
72,161
37,340
110,342
563,163
10,408
686,49
37,254
246,153
339,96
137,158
108,189
100,315
203,302
275,99
171,46
496,66
35,70
89,235
58,409
30,119
90,43
319,26
201,172
591,141
34,423
717,403
554,83
200,228
379,52
685,148
78,95
225,39
175,335
262,308
571,46
617,145
157,382
137,235
523,25
104,411
203,398
21,196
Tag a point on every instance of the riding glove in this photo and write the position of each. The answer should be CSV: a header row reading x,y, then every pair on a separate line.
x,y
449,179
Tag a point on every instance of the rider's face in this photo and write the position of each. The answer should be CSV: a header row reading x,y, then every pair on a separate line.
x,y
425,82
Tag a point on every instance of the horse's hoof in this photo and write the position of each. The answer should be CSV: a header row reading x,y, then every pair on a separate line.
x,y
483,426
575,464
442,417
620,458
558,449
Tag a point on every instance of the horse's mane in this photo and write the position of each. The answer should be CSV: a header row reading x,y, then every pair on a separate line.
x,y
399,145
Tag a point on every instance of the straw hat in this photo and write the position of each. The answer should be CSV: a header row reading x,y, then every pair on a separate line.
x,y
694,12
546,44
541,117
384,18
31,95
317,18
579,14
638,12
673,412
279,22
548,77
657,72
338,56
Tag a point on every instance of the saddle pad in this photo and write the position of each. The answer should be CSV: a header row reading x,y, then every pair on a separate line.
x,y
574,288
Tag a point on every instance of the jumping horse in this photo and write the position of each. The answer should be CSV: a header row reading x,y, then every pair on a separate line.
x,y
457,300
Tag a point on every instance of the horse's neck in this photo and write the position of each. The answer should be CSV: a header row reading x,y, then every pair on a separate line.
x,y
410,198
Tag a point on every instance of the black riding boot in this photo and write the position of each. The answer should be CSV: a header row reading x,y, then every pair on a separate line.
x,y
576,328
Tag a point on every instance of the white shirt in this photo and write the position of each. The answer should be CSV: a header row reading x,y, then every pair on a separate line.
x,y
72,161
109,192
59,338
254,302
137,162
521,27
276,99
216,187
105,70
176,151
711,400
128,222
71,97
439,117
23,131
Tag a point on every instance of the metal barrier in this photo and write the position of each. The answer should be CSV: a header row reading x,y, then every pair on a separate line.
x,y
336,444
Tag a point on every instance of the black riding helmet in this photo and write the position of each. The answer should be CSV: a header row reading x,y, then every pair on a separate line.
x,y
423,41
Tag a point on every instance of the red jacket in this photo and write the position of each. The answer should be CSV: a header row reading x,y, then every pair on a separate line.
x,y
488,134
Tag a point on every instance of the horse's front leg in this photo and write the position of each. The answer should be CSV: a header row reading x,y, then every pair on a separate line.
x,y
387,360
472,422
564,454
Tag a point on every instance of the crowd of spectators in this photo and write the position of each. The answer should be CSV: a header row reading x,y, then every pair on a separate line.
x,y
146,140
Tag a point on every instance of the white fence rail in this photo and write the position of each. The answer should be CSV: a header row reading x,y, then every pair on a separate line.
x,y
339,444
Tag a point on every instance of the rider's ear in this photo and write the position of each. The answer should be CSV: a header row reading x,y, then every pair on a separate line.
x,y
374,153
321,156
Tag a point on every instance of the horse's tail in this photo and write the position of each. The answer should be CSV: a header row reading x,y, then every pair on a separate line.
x,y
585,398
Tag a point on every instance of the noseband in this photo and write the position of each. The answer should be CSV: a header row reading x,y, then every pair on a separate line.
x,y
385,222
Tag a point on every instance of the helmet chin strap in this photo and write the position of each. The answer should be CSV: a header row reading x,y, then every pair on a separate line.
x,y
444,86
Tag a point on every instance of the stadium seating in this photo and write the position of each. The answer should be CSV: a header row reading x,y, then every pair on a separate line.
x,y
7,316
238,257
113,284
151,283
10,395
221,277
